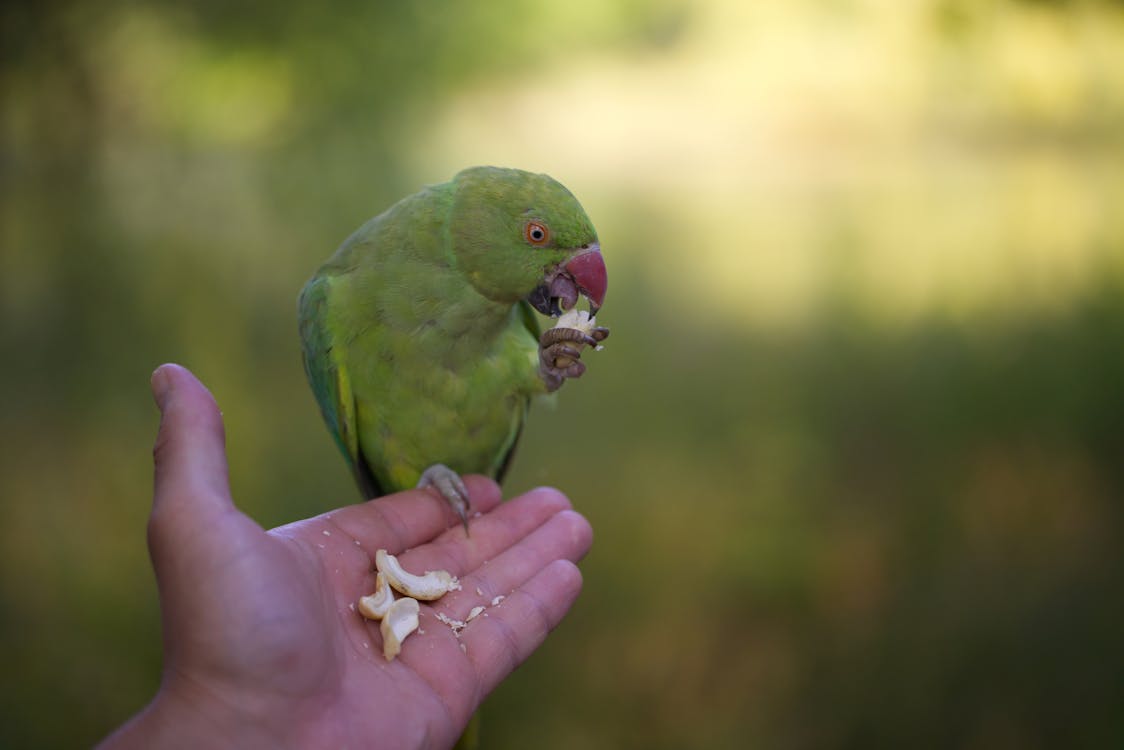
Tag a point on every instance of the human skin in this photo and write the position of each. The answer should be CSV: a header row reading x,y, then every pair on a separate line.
x,y
262,645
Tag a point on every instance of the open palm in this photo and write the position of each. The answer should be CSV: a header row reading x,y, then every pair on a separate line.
x,y
263,646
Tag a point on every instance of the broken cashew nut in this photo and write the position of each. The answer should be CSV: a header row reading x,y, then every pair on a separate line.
x,y
400,616
432,585
375,606
400,620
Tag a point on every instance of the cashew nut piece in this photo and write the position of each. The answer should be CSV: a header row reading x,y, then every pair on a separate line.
x,y
579,320
433,585
375,605
400,620
575,318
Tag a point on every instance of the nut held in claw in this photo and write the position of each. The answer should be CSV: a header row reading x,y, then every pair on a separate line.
x,y
584,323
433,585
401,619
578,319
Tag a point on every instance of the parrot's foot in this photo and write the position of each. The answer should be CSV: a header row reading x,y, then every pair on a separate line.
x,y
450,486
560,351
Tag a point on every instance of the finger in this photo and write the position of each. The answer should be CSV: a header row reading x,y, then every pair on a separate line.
x,y
492,534
564,536
407,519
193,524
191,483
497,644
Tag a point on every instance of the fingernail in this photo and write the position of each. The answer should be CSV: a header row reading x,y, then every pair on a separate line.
x,y
161,384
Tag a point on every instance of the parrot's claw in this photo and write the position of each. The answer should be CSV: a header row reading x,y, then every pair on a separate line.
x,y
558,334
560,353
451,487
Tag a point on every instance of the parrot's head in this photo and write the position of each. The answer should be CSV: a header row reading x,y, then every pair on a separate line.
x,y
519,235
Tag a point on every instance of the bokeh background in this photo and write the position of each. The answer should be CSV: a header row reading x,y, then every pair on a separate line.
x,y
854,454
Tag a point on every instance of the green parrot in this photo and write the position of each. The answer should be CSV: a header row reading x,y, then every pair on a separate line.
x,y
418,334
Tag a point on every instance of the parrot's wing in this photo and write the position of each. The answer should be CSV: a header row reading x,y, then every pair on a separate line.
x,y
501,472
330,381
530,320
531,323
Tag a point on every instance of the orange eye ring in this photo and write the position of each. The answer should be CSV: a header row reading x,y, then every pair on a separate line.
x,y
536,233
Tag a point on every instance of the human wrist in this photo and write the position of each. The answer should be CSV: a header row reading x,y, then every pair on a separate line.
x,y
183,717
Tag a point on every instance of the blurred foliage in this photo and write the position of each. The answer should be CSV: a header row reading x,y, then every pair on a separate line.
x,y
854,454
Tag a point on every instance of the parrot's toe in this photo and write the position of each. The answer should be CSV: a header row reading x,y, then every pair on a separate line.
x,y
561,360
560,334
560,351
450,486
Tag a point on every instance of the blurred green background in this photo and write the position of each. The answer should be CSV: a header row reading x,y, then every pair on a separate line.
x,y
854,455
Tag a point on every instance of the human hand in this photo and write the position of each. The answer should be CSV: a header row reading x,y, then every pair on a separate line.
x,y
262,645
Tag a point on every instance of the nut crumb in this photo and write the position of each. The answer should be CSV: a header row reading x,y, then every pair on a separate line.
x,y
325,532
473,614
498,599
455,625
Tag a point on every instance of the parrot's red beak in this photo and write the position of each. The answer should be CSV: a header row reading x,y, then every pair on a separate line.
x,y
583,274
588,271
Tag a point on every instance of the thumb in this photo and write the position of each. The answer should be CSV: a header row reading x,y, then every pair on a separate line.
x,y
191,489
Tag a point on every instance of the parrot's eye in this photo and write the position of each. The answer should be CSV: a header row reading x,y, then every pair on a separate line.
x,y
536,233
